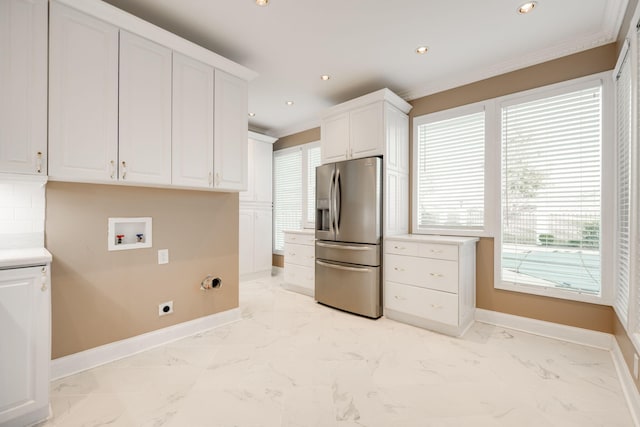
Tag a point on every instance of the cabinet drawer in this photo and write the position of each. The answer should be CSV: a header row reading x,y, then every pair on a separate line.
x,y
300,239
434,250
401,248
428,273
425,303
299,275
299,254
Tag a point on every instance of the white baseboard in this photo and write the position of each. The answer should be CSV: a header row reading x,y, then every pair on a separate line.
x,y
547,329
626,381
77,362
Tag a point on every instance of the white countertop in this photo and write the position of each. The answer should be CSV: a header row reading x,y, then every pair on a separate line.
x,y
309,231
428,238
10,258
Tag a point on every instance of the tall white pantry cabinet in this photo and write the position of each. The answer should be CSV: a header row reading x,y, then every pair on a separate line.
x,y
255,240
131,103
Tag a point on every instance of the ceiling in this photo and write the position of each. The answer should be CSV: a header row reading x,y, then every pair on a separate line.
x,y
367,45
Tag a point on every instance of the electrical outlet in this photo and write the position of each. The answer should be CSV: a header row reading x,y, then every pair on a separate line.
x,y
635,365
163,256
165,308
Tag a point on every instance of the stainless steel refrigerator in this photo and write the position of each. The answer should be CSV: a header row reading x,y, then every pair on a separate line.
x,y
349,236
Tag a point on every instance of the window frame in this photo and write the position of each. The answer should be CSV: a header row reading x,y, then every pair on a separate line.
x,y
607,186
488,228
304,223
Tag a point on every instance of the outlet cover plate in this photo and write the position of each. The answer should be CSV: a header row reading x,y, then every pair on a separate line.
x,y
165,308
163,256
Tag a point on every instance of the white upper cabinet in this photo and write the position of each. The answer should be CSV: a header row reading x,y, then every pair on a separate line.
x,y
23,86
230,132
145,111
364,127
192,142
83,96
260,165
366,131
335,138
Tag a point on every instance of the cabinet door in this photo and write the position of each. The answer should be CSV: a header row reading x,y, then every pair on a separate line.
x,y
335,138
83,96
366,131
262,240
26,345
397,136
246,241
192,142
262,166
145,111
23,86
250,194
230,132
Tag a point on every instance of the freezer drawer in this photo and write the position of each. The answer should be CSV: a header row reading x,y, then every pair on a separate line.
x,y
349,287
350,253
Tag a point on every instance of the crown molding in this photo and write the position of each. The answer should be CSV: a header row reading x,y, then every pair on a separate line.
x,y
290,130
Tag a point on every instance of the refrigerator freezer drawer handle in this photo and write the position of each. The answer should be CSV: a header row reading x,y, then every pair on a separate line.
x,y
350,248
341,267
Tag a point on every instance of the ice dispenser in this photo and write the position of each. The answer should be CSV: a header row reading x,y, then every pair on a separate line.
x,y
322,215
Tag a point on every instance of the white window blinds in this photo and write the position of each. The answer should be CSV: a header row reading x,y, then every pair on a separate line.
x,y
551,170
287,194
450,172
623,141
313,161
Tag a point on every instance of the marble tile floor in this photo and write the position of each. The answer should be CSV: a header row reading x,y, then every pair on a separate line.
x,y
291,362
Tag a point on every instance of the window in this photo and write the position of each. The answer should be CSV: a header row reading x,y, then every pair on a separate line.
x,y
551,190
294,182
623,147
449,159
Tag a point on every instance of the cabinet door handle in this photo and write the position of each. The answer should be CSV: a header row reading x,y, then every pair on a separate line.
x,y
351,153
124,170
43,279
39,162
436,275
217,179
210,179
112,166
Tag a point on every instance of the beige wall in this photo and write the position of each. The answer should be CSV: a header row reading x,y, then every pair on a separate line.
x,y
304,137
99,297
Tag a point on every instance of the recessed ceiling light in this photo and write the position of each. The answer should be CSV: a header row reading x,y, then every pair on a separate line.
x,y
325,77
252,114
289,102
262,2
527,7
422,49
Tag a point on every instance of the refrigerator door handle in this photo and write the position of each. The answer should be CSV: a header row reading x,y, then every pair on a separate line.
x,y
337,196
350,248
342,267
332,201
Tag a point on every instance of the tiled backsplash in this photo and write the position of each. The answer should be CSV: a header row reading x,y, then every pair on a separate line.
x,y
22,210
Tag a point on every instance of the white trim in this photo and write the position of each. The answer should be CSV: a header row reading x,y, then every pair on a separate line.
x,y
77,362
629,388
261,137
557,331
297,128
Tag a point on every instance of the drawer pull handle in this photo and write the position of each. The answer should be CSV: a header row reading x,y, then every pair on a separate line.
x,y
398,269
436,251
398,297
402,248
437,307
437,275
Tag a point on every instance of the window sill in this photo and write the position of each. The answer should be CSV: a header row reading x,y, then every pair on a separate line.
x,y
552,293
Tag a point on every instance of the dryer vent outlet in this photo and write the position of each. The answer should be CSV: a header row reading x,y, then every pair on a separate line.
x,y
165,308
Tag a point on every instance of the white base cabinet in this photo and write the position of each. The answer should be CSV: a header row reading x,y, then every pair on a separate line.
x,y
430,281
299,261
25,351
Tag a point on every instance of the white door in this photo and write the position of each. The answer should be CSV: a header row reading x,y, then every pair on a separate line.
x,y
230,132
192,142
145,111
83,96
335,138
246,243
366,131
23,86
25,302
262,240
262,166
250,194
